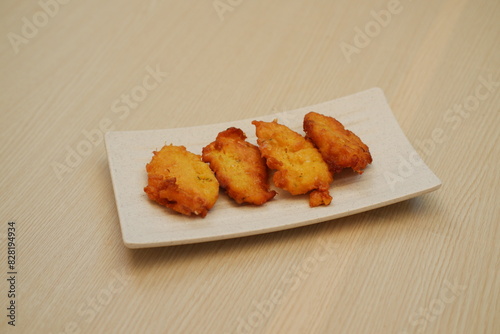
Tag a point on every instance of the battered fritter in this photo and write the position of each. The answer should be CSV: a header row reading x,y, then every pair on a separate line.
x,y
239,168
339,147
300,167
179,180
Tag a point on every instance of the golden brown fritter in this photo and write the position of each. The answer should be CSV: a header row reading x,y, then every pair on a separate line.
x,y
179,180
339,147
239,168
300,167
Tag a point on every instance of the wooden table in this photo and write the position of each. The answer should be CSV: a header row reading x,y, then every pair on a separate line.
x,y
72,70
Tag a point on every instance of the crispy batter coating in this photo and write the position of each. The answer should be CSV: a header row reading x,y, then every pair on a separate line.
x,y
179,180
300,167
239,168
339,147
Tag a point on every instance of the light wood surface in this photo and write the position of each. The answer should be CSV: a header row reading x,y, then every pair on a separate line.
x,y
71,71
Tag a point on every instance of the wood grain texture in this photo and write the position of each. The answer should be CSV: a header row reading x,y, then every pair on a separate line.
x,y
427,265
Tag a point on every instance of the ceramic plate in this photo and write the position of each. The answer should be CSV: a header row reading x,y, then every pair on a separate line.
x,y
396,174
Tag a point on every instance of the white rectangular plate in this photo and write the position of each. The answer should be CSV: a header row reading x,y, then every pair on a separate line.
x,y
396,174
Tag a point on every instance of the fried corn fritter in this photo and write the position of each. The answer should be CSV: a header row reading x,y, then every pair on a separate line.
x,y
339,147
238,167
179,180
300,167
